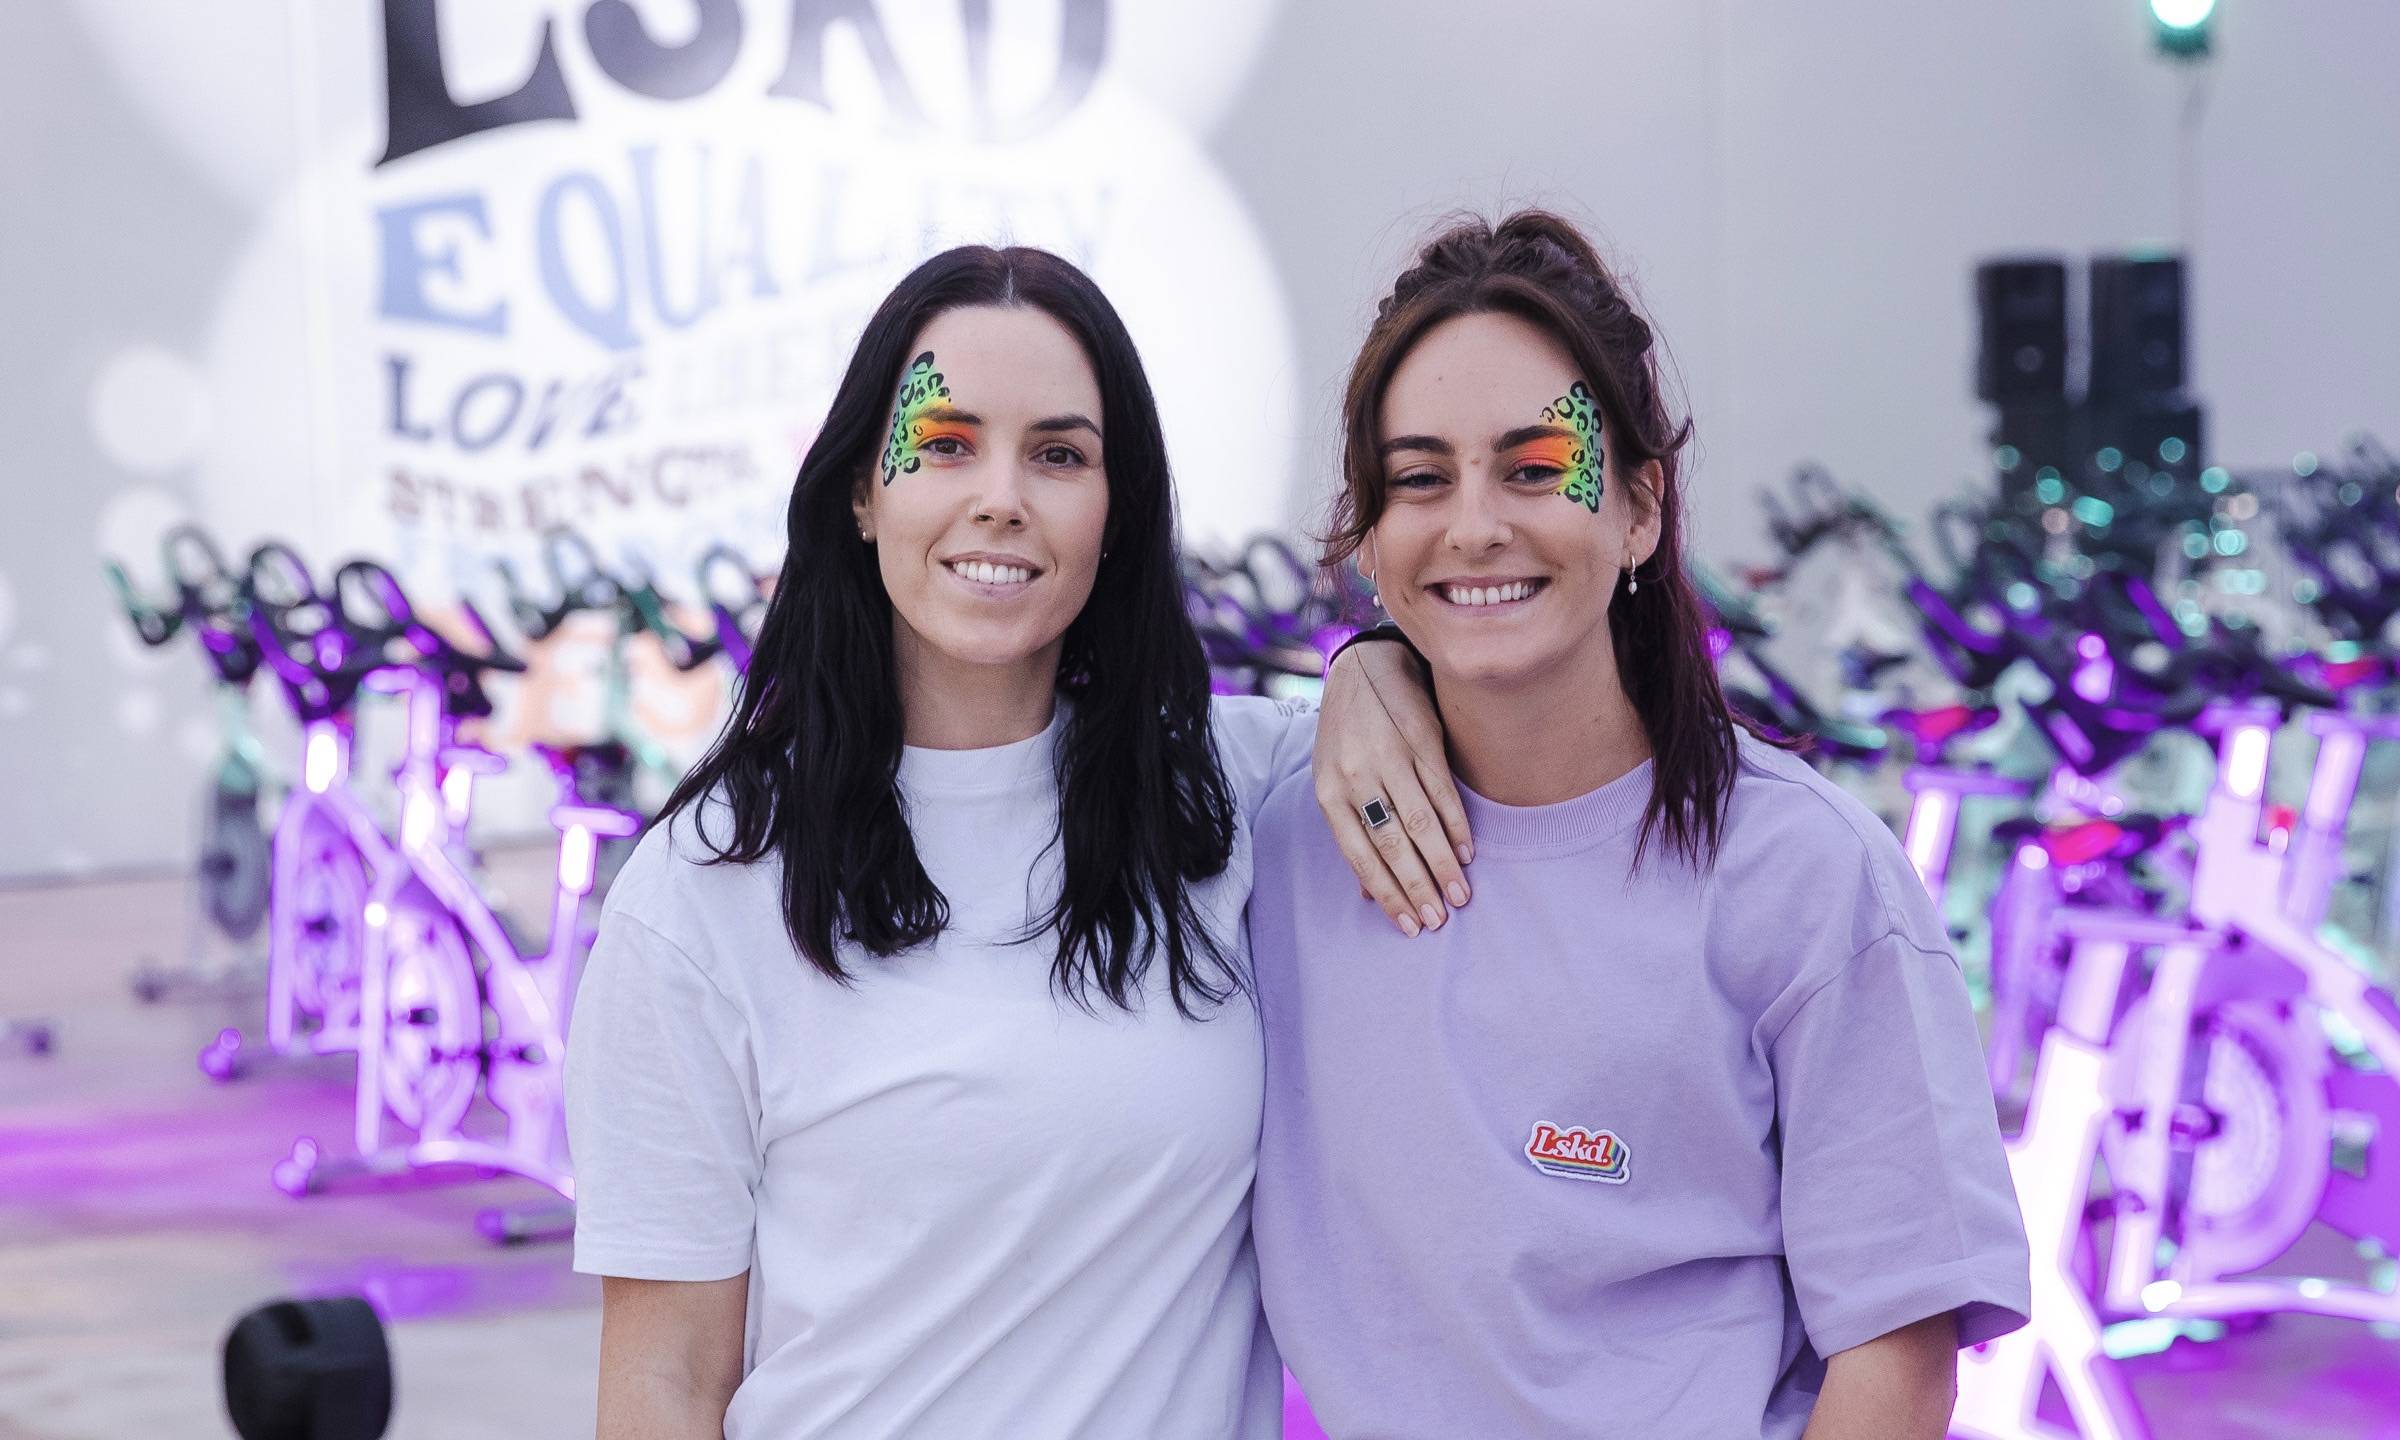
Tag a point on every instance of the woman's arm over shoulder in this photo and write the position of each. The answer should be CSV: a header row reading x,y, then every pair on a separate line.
x,y
670,1356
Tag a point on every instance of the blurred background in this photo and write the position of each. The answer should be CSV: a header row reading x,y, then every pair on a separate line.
x,y
439,283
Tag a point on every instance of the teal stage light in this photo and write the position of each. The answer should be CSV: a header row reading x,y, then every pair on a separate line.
x,y
2182,26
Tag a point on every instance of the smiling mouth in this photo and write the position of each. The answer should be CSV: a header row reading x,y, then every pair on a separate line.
x,y
1484,597
982,572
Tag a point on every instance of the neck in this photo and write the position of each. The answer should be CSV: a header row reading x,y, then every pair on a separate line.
x,y
954,704
1548,737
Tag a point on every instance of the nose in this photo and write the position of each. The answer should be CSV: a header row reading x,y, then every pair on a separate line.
x,y
1476,523
1002,501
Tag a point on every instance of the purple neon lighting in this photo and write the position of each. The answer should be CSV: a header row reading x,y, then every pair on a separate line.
x,y
2095,675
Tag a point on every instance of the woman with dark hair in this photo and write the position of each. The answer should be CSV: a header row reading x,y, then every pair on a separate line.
x,y
915,1087
1685,1131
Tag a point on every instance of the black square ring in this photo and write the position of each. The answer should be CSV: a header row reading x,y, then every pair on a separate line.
x,y
1375,813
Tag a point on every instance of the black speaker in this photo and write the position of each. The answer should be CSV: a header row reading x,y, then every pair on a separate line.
x,y
2137,328
309,1370
2023,354
2162,444
2038,435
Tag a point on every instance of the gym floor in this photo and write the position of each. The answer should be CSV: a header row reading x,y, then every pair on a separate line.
x,y
137,1221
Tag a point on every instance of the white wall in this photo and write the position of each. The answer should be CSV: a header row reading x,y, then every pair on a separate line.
x,y
1800,192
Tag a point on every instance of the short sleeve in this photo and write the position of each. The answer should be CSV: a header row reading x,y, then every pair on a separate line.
x,y
662,1100
1260,743
1897,1201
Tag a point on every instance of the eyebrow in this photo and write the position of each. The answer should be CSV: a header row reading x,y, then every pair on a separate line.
x,y
952,414
1058,424
1526,434
1435,445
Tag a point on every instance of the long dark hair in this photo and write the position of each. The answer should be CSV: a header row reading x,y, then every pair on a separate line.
x,y
809,761
1535,265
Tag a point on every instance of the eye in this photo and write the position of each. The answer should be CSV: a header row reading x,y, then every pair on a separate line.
x,y
947,445
1535,472
1417,480
1061,455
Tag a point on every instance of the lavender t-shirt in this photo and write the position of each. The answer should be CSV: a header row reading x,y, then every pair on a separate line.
x,y
1619,1152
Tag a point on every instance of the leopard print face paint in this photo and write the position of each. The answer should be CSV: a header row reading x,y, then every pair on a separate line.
x,y
921,389
1581,481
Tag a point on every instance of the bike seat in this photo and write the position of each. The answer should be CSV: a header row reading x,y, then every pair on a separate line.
x,y
1863,668
595,757
2084,840
1935,727
2343,676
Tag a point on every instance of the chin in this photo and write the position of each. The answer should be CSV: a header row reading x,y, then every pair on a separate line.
x,y
986,644
1498,667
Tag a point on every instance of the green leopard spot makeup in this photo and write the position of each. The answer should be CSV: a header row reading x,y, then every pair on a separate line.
x,y
1582,480
921,390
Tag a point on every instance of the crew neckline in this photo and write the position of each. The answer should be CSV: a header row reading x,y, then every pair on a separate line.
x,y
1592,816
925,770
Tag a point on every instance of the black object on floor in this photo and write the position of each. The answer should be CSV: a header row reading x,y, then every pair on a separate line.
x,y
309,1370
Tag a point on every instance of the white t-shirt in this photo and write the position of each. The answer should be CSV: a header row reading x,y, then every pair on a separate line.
x,y
968,1207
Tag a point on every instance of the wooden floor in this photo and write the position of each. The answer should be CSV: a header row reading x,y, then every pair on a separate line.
x,y
137,1220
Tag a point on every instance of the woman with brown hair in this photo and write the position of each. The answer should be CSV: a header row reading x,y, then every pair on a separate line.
x,y
1684,1131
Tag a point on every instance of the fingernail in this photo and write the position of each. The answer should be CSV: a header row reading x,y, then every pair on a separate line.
x,y
1458,893
1408,925
1466,854
1432,914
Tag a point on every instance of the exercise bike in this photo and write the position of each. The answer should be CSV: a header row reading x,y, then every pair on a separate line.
x,y
736,596
451,1004
230,879
1267,620
328,846
2231,1071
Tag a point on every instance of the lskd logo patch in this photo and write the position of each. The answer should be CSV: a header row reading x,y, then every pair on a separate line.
x,y
1578,1154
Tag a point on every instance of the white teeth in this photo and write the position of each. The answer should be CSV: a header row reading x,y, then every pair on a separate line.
x,y
988,574
1489,595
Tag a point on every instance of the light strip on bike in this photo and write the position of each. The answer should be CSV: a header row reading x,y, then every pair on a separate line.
x,y
2246,761
416,821
2095,673
2336,782
575,861
457,787
1929,830
324,760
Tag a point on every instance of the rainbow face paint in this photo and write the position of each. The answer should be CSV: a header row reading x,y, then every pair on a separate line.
x,y
1581,461
921,390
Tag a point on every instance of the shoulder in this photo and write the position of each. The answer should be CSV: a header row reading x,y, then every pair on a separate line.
x,y
675,886
1255,723
1799,846
1290,813
1291,836
1260,742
